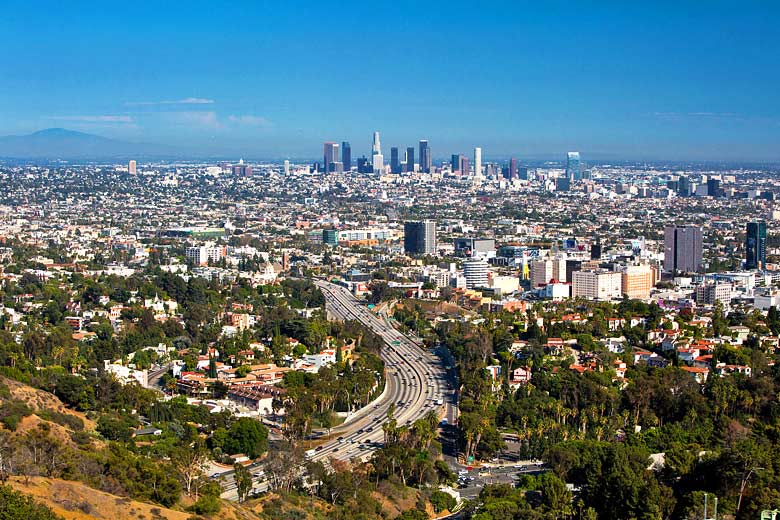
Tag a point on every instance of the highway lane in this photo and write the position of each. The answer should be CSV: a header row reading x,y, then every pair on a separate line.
x,y
416,380
416,383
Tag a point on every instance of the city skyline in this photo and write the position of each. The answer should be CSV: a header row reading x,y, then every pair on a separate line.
x,y
630,83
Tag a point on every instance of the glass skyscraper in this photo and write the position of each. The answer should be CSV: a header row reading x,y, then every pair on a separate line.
x,y
573,166
755,245
425,157
395,163
346,156
410,159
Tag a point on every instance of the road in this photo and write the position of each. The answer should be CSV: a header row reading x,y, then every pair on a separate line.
x,y
416,380
416,383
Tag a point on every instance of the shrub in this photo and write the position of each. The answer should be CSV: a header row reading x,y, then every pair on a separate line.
x,y
12,412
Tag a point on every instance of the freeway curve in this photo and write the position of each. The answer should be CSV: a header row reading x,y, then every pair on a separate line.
x,y
416,382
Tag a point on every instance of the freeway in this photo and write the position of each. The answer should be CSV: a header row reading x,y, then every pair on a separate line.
x,y
416,383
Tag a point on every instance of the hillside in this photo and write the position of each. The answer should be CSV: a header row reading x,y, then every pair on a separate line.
x,y
76,501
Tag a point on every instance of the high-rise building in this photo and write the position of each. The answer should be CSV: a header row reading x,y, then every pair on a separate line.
x,y
682,249
512,170
455,162
465,165
573,166
410,159
376,147
286,167
363,165
395,163
475,270
522,173
330,156
755,245
425,157
378,163
544,270
346,156
477,162
420,237
684,186
131,167
713,187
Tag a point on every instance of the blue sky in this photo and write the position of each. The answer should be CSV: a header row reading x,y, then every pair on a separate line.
x,y
613,79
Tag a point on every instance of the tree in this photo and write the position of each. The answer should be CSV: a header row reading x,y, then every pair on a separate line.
x,y
555,494
246,436
412,514
442,501
243,480
189,462
15,505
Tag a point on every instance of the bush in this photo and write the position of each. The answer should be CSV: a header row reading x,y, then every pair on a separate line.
x,y
12,413
63,419
441,501
16,505
206,505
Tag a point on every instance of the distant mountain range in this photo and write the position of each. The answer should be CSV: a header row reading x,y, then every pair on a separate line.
x,y
59,143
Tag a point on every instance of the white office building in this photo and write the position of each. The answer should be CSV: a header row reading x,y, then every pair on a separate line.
x,y
597,284
476,272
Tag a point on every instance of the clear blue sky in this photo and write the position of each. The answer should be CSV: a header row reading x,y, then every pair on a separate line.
x,y
613,79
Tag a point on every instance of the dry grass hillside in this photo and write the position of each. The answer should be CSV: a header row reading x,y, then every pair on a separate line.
x,y
76,501
42,400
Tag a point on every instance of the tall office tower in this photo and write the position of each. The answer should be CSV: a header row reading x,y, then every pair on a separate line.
x,y
755,245
522,173
376,148
378,163
420,237
330,155
395,163
477,162
286,167
346,156
425,157
682,249
684,186
410,159
455,162
131,167
713,187
573,166
363,166
465,165
512,173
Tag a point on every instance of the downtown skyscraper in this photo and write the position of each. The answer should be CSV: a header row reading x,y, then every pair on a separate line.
x,y
346,156
425,157
395,162
377,159
573,166
330,158
410,159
